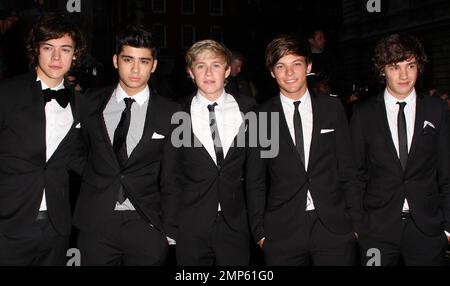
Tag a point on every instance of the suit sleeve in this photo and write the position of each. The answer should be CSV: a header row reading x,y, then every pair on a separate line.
x,y
170,188
256,186
444,165
359,155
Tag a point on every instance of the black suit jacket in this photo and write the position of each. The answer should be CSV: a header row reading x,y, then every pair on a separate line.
x,y
426,180
146,177
24,172
203,184
278,186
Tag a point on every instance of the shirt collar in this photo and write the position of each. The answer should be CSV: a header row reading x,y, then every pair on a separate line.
x,y
204,102
140,97
44,86
391,101
305,100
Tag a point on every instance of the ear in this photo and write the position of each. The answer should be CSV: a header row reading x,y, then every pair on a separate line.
x,y
191,74
272,74
115,62
227,72
155,64
309,68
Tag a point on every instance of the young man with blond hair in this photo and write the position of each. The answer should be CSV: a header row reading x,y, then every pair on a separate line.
x,y
213,228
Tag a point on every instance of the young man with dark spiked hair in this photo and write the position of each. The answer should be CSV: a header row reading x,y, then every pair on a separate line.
x,y
127,205
39,140
304,204
401,141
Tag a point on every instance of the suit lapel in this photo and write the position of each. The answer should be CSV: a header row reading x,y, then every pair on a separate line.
x,y
386,131
284,129
102,124
195,141
74,107
37,106
420,118
241,130
149,126
316,130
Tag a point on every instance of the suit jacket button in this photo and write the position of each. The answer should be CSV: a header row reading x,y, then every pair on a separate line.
x,y
406,182
122,177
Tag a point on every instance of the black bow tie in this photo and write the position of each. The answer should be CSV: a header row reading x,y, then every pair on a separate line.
x,y
62,96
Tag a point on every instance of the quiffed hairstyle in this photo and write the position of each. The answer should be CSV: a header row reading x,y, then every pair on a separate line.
x,y
211,46
398,48
286,45
136,36
53,26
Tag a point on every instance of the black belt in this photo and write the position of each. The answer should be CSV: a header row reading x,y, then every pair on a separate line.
x,y
42,215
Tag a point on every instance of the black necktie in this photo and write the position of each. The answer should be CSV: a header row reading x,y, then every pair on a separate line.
x,y
299,132
402,135
62,96
120,140
215,134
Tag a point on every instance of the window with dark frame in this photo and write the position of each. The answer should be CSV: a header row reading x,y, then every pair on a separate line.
x,y
188,7
187,36
159,6
216,7
159,33
216,33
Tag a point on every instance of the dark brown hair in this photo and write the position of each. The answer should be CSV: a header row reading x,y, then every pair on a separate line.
x,y
53,26
286,45
398,48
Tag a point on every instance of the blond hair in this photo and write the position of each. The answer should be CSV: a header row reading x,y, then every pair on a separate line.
x,y
211,46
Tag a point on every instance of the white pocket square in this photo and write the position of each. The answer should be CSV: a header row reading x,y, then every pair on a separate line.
x,y
78,125
157,136
428,123
324,131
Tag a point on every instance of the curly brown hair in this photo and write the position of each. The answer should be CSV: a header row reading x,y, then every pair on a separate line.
x,y
398,48
49,27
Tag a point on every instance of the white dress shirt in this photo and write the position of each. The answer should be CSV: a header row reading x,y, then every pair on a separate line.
x,y
58,121
228,118
306,114
392,109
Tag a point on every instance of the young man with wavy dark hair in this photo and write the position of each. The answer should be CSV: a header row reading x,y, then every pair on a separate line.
x,y
401,142
39,140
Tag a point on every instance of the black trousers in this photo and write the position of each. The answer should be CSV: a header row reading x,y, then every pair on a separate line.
x,y
219,246
408,243
35,245
125,240
311,244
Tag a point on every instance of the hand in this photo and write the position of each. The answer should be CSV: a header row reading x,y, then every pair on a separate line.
x,y
261,243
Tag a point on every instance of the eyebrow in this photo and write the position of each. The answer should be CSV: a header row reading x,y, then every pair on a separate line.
x,y
131,57
64,46
408,63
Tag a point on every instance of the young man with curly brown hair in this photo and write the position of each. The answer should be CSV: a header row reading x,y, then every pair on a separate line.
x,y
401,143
